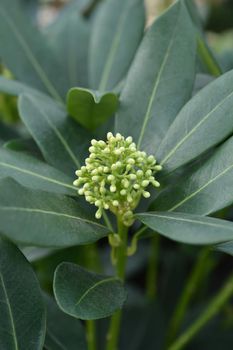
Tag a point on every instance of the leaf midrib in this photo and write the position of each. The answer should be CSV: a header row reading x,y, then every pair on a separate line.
x,y
201,188
97,284
111,55
32,59
37,175
147,116
59,136
194,129
49,212
191,221
10,313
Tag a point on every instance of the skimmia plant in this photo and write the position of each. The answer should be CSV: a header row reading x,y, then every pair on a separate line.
x,y
125,135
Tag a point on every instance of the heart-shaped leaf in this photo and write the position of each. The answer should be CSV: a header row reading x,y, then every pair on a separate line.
x,y
44,219
22,312
199,125
91,108
87,295
62,142
33,173
160,79
206,190
63,331
187,228
116,33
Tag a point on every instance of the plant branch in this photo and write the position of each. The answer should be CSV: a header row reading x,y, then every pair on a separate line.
x,y
152,269
121,258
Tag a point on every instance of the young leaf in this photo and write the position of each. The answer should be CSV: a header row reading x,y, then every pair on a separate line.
x,y
91,108
69,38
160,79
33,173
44,219
199,125
116,34
22,312
63,332
187,228
61,141
204,191
26,54
86,295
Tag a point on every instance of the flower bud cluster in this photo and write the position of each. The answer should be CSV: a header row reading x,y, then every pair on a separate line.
x,y
116,175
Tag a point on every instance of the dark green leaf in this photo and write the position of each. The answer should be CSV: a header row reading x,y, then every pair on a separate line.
x,y
69,38
160,80
25,53
86,295
22,313
206,190
199,125
116,34
44,219
187,228
91,108
63,331
33,173
61,141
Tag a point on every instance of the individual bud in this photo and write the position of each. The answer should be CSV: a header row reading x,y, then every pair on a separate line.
x,y
123,192
131,161
132,176
94,142
98,203
145,183
156,183
113,188
129,140
146,194
111,177
158,167
81,191
115,203
109,135
136,186
98,214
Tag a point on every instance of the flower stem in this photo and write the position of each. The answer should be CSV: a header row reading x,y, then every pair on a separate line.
x,y
193,282
152,269
212,309
121,258
91,335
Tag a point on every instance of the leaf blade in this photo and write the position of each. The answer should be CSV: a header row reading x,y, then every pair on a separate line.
x,y
26,323
82,298
145,99
187,228
44,219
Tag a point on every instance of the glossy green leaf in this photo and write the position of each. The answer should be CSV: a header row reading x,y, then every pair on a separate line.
x,y
160,79
86,295
22,312
204,191
61,141
116,33
63,332
69,38
33,173
91,108
26,53
187,228
44,219
199,125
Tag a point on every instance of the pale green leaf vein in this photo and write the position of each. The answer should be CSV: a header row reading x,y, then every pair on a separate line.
x,y
97,284
10,313
45,178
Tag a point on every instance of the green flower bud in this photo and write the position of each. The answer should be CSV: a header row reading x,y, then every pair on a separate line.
x,y
115,176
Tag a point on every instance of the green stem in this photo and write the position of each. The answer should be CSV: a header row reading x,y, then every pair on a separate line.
x,y
212,309
92,262
91,335
152,270
193,282
121,258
